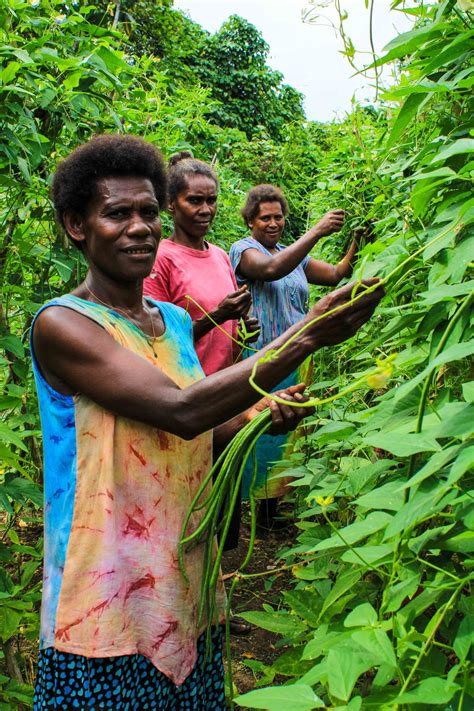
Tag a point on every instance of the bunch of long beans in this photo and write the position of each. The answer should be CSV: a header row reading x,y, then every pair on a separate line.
x,y
219,501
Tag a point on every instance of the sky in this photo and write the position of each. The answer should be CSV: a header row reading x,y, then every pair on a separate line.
x,y
308,54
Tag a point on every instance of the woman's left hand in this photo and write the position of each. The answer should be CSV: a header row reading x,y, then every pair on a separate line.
x,y
284,417
251,330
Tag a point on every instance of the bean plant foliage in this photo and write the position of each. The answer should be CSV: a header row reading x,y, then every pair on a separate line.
x,y
379,614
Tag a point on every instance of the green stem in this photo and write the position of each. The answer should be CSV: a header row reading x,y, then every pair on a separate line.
x,y
427,642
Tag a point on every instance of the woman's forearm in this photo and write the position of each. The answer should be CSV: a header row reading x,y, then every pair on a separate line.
x,y
345,267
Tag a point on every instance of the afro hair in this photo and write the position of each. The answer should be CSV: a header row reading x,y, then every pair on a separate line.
x,y
105,156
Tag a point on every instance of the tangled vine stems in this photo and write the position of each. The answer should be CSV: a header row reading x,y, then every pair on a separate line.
x,y
245,335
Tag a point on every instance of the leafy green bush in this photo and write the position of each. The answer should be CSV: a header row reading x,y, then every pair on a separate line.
x,y
380,616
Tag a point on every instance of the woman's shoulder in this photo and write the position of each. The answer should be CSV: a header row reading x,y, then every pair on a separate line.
x,y
245,243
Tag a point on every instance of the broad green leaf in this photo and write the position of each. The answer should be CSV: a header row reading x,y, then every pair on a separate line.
x,y
422,504
468,391
447,291
433,691
464,639
462,543
368,555
375,521
464,462
315,674
397,593
451,354
342,584
433,466
377,643
344,668
388,496
306,604
462,145
403,446
299,697
405,116
363,615
9,622
279,622
406,42
459,424
333,431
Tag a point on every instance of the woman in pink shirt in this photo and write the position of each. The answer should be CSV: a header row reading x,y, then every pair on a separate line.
x,y
188,266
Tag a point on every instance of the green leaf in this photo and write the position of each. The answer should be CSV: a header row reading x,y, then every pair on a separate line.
x,y
397,593
345,665
462,145
298,697
433,691
433,466
464,462
342,584
447,291
377,643
9,622
280,622
468,391
462,543
375,521
368,555
306,604
422,504
464,637
453,353
405,115
333,431
403,446
389,496
363,615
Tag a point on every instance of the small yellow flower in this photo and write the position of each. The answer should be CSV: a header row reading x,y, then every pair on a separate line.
x,y
324,501
382,373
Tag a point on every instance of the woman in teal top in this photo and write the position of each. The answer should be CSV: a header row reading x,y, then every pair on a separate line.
x,y
278,279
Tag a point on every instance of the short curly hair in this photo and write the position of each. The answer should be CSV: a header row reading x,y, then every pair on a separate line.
x,y
257,195
105,156
181,166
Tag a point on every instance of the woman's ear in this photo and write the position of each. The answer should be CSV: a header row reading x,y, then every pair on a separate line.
x,y
171,206
74,224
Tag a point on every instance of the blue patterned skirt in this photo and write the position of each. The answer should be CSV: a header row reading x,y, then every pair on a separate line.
x,y
128,683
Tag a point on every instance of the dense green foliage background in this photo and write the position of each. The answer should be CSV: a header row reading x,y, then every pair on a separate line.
x,y
379,616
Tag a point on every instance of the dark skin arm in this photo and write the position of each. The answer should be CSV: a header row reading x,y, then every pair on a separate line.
x,y
284,418
76,355
260,267
325,274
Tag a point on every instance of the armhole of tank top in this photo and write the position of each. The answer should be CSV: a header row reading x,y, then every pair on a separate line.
x,y
36,366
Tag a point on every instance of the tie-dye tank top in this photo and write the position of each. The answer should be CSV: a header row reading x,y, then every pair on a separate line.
x,y
116,494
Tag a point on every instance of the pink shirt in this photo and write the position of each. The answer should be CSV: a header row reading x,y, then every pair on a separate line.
x,y
207,277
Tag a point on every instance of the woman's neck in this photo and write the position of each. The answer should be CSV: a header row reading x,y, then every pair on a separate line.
x,y
178,236
103,290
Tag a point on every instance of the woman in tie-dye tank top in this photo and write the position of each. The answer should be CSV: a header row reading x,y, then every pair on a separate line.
x,y
128,420
278,279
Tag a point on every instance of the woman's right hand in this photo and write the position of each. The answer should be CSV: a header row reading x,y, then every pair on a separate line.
x,y
234,306
330,223
341,313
